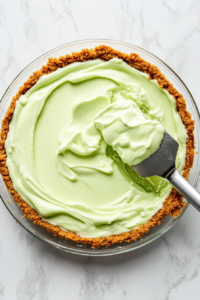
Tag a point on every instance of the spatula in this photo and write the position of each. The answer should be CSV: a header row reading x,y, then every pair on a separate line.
x,y
162,163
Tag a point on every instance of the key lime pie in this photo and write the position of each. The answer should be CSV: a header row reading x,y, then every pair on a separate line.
x,y
71,134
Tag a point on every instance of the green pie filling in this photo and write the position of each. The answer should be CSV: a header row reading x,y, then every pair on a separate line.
x,y
73,138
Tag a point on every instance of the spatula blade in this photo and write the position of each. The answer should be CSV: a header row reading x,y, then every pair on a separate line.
x,y
162,161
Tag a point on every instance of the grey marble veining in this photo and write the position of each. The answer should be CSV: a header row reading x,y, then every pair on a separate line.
x,y
1,290
166,269
95,283
34,284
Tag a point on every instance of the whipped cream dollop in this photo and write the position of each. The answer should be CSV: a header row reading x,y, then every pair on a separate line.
x,y
73,137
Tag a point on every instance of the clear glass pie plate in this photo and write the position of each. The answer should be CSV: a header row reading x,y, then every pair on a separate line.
x,y
155,232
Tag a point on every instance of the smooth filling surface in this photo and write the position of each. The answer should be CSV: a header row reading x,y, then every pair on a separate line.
x,y
72,140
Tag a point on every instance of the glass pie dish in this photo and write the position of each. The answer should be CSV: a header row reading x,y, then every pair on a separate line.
x,y
155,232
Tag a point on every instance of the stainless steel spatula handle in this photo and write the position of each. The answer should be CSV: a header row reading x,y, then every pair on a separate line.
x,y
185,188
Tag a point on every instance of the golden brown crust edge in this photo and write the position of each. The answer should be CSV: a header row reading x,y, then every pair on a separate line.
x,y
173,203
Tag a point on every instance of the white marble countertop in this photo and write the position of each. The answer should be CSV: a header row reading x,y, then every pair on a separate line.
x,y
168,268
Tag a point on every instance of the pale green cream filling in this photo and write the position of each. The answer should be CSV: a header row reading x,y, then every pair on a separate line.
x,y
72,140
129,131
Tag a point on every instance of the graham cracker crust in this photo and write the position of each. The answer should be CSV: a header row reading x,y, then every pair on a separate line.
x,y
173,203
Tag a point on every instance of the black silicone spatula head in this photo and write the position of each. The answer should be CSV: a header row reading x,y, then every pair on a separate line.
x,y
161,162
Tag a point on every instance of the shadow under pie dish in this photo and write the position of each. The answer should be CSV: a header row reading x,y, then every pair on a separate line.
x,y
173,202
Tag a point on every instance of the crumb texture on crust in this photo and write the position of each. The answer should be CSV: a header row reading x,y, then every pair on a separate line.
x,y
173,203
